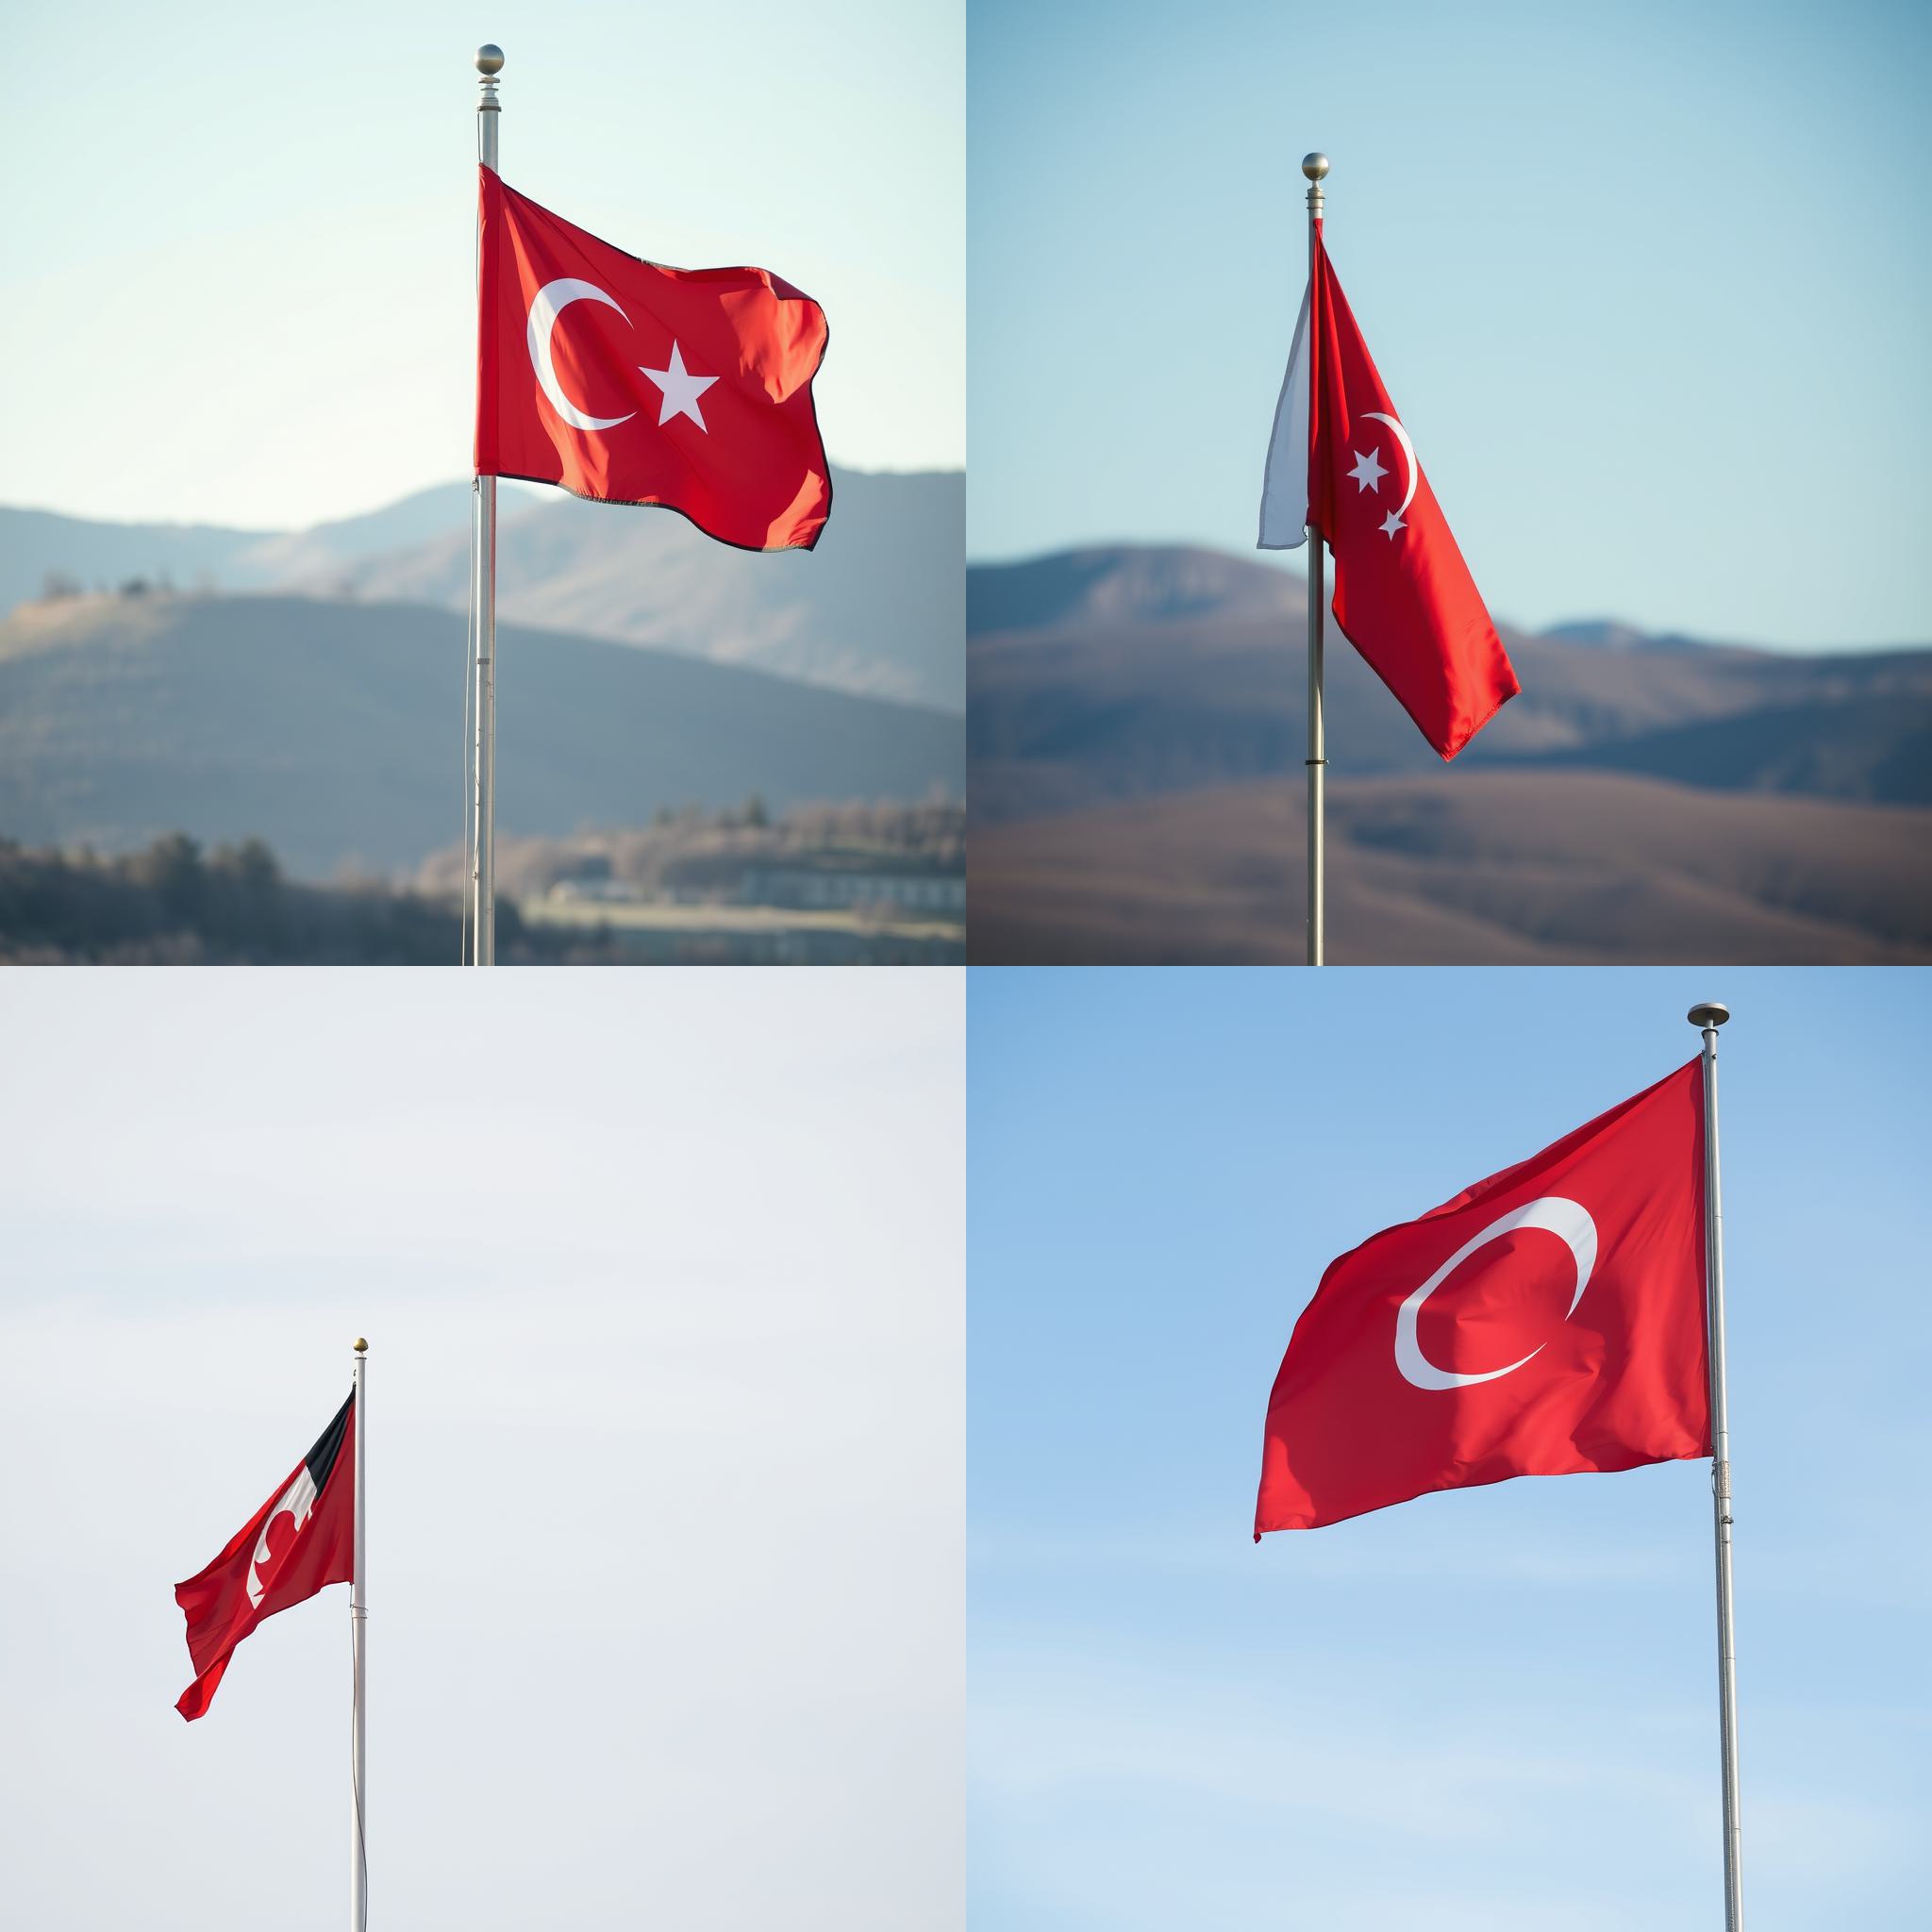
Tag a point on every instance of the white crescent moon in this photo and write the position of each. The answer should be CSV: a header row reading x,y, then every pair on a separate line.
x,y
553,298
1568,1219
298,1500
1407,451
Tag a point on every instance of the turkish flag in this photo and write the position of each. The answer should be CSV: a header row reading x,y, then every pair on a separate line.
x,y
1547,1320
1404,598
300,1540
628,382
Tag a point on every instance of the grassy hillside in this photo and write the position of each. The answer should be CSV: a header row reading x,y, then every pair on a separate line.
x,y
334,731
1477,868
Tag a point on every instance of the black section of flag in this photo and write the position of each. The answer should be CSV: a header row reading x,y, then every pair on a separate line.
x,y
322,1458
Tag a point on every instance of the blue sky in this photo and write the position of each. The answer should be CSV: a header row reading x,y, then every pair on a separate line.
x,y
238,274
1648,283
1491,1709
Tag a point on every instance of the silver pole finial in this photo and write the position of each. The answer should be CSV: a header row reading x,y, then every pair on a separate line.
x,y
1708,1013
1314,166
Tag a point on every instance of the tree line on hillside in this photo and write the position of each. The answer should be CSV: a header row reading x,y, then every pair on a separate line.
x,y
62,587
177,902
695,850
174,905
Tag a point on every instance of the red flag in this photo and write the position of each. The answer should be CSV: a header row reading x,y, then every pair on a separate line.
x,y
1404,596
1547,1320
629,382
300,1540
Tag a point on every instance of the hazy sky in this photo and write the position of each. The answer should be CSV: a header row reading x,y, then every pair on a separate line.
x,y
1489,1710
1648,283
664,1285
238,276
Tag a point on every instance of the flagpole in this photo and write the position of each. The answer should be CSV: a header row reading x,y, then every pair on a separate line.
x,y
1709,1016
483,582
358,1653
1315,166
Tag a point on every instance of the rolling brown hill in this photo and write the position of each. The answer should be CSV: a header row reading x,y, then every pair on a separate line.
x,y
1492,868
1135,735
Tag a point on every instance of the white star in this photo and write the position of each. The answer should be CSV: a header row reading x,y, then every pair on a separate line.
x,y
1368,471
1391,524
681,389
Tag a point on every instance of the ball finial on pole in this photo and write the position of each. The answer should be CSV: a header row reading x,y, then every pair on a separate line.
x,y
361,1344
1315,166
489,58
1708,1013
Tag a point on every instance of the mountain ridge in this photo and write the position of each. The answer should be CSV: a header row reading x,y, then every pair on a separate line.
x,y
878,609
1041,591
1099,699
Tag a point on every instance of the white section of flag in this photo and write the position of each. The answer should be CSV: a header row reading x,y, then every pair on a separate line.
x,y
1285,482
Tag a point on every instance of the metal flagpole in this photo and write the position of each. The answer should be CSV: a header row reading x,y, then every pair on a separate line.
x,y
359,1654
1315,166
1709,1016
483,581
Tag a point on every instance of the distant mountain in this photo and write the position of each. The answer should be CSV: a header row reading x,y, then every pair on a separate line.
x,y
1119,673
1607,634
297,559
1124,584
1485,867
39,547
36,544
878,609
1875,747
333,731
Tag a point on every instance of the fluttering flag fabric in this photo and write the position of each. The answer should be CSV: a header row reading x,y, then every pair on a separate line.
x,y
1341,462
1548,1320
628,382
300,1540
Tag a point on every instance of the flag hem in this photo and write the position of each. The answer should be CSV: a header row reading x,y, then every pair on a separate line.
x,y
1453,1481
659,503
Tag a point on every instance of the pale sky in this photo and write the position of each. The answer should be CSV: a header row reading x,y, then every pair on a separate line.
x,y
239,274
664,1285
